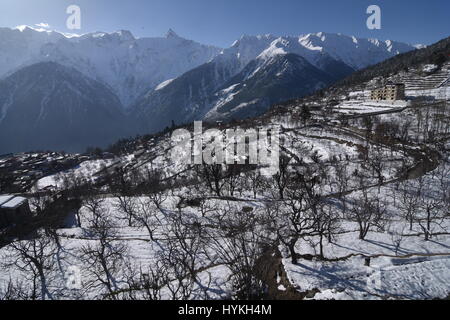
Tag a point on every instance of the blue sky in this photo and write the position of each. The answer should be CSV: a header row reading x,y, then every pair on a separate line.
x,y
220,22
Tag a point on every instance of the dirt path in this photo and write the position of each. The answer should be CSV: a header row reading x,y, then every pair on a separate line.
x,y
271,271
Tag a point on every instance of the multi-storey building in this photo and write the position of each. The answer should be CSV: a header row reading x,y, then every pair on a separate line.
x,y
390,92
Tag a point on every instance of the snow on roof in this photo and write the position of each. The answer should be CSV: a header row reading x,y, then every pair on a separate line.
x,y
11,202
4,198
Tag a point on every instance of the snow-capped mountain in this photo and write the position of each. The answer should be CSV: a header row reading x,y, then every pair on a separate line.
x,y
48,106
265,82
355,52
22,44
129,65
158,81
222,84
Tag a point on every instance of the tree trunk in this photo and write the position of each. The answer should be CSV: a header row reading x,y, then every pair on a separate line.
x,y
291,247
78,219
321,246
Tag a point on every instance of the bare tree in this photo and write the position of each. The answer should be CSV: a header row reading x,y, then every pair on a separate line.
x,y
14,290
184,245
240,241
256,181
104,255
368,124
146,216
377,163
326,223
95,206
368,212
409,200
40,201
431,215
147,284
127,206
35,258
206,207
74,184
342,180
214,176
443,177
157,197
232,177
297,220
281,179
396,236
154,188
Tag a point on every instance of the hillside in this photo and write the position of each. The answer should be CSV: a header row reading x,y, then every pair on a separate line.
x,y
47,106
436,54
357,207
244,80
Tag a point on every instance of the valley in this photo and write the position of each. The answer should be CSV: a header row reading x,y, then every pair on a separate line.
x,y
357,208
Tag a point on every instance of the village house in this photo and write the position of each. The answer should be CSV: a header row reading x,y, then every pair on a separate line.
x,y
13,210
390,92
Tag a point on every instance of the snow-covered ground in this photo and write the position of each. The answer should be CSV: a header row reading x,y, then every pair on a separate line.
x,y
86,170
442,93
367,106
141,253
386,277
402,264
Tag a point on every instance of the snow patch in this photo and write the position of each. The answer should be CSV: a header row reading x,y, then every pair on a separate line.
x,y
164,84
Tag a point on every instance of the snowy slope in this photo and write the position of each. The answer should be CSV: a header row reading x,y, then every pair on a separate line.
x,y
265,82
20,45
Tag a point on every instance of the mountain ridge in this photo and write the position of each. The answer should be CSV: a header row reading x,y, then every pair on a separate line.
x,y
129,65
144,77
195,94
47,106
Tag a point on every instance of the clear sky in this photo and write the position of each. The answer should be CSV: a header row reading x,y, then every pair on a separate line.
x,y
220,22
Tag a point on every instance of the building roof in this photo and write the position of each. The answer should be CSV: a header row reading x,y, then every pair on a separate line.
x,y
390,83
4,198
11,202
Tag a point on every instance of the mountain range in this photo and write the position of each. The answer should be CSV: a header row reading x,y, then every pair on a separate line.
x,y
68,92
129,66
